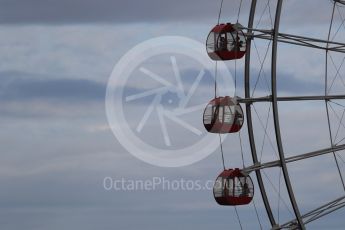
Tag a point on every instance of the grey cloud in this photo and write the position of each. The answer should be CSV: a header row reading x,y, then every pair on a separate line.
x,y
85,11
119,11
16,86
286,83
58,95
291,84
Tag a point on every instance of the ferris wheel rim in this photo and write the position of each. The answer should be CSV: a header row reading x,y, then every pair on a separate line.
x,y
275,37
248,100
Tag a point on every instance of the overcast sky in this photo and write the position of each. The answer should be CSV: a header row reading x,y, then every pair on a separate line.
x,y
56,146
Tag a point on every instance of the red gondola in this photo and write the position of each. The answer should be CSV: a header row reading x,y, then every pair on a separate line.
x,y
232,187
223,115
226,42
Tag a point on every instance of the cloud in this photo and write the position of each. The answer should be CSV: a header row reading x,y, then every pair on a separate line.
x,y
56,146
38,96
18,86
105,11
122,11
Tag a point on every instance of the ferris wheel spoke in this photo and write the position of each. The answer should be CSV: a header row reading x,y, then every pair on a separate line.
x,y
341,158
299,40
339,125
340,1
262,62
337,73
266,133
299,157
266,126
340,141
269,11
337,104
257,214
267,6
341,25
317,213
278,193
251,100
340,120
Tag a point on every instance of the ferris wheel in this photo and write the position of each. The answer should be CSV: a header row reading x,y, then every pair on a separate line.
x,y
233,42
